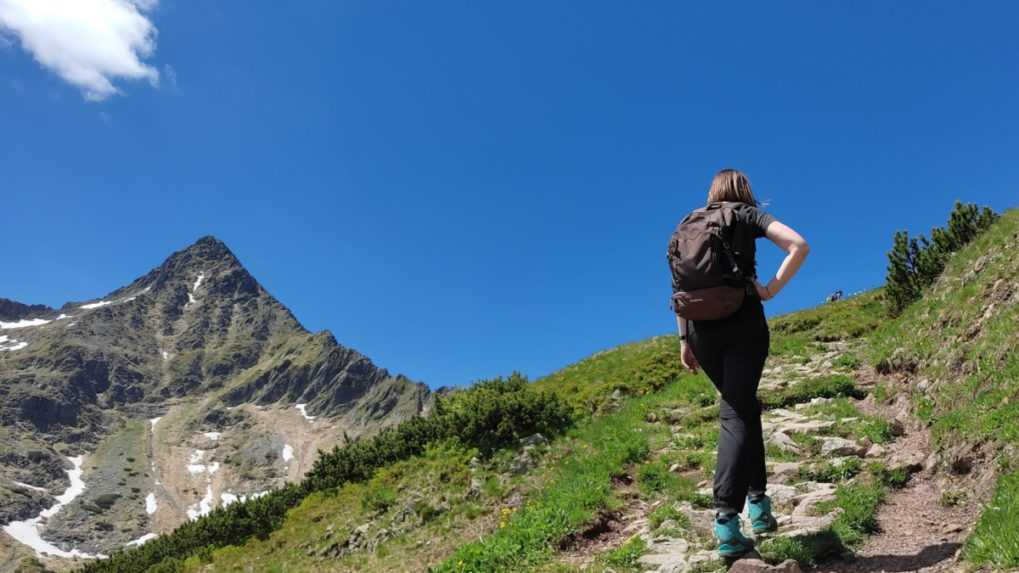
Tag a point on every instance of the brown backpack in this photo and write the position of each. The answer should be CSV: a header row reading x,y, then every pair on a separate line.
x,y
706,279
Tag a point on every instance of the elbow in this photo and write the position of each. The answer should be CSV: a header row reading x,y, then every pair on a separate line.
x,y
800,248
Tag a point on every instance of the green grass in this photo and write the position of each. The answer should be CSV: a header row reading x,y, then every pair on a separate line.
x,y
945,338
859,503
633,369
606,446
664,513
627,554
895,479
832,472
847,319
995,541
832,386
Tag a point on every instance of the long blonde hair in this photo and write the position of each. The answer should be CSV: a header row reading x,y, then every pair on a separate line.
x,y
731,185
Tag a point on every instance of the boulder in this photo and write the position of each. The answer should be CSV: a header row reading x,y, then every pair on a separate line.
x,y
876,451
758,566
783,442
784,472
909,460
831,446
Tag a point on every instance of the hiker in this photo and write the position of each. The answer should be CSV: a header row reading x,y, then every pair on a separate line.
x,y
835,296
722,329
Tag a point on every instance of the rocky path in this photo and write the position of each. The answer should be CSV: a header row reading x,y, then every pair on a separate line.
x,y
917,531
799,502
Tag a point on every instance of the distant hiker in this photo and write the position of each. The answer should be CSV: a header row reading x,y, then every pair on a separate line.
x,y
722,329
835,296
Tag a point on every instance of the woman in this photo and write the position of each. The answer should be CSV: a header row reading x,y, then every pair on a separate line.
x,y
732,352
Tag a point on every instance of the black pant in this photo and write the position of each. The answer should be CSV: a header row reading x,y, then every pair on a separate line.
x,y
732,352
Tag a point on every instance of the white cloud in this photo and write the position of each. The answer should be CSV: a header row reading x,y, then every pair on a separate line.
x,y
89,43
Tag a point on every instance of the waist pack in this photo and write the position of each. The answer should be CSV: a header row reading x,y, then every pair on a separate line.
x,y
707,282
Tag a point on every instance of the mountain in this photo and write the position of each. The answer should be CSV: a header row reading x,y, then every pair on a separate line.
x,y
190,388
875,425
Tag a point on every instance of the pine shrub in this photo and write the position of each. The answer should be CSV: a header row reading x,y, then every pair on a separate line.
x,y
915,263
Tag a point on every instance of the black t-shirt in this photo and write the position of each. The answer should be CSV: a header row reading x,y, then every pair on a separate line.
x,y
749,225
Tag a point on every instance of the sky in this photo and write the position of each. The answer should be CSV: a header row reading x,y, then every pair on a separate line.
x,y
460,190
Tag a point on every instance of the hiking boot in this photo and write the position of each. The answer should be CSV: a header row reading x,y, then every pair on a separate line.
x,y
731,542
761,518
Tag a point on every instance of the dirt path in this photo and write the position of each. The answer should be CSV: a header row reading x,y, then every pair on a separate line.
x,y
917,532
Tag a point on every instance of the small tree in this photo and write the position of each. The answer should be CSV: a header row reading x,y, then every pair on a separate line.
x,y
915,263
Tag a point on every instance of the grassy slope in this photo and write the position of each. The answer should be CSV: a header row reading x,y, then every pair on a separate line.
x,y
958,347
572,482
618,437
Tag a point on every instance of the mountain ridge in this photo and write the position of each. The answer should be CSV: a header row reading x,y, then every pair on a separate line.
x,y
198,343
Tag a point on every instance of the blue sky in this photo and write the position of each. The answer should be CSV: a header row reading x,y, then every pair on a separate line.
x,y
460,189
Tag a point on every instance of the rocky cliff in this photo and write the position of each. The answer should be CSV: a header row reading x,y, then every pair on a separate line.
x,y
185,390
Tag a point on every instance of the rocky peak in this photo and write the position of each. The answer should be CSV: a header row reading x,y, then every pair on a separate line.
x,y
11,310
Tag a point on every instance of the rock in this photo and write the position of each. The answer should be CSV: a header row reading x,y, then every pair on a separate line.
x,y
807,503
805,426
785,472
474,489
758,566
897,427
952,528
666,557
669,524
876,451
783,442
534,440
651,417
782,494
522,463
831,446
675,468
676,415
909,460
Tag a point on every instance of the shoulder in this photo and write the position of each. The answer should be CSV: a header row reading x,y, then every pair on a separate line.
x,y
753,216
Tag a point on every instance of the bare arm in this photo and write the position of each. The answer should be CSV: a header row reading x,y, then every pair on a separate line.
x,y
796,249
685,352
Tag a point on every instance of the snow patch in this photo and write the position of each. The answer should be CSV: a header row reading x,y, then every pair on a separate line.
x,y
153,421
24,323
194,289
151,504
63,316
28,532
203,507
142,540
99,304
226,498
304,412
288,453
166,356
31,487
10,344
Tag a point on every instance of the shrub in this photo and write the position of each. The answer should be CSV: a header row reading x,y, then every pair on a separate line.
x,y
915,263
489,415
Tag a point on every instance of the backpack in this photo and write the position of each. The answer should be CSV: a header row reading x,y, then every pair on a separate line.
x,y
706,279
